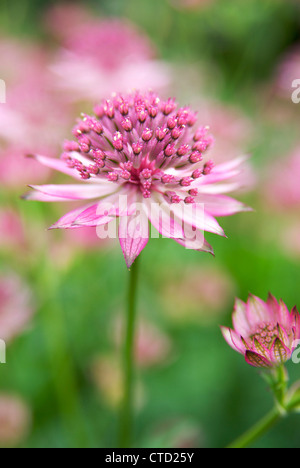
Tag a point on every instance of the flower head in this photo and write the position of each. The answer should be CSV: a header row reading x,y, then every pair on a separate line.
x,y
266,333
146,149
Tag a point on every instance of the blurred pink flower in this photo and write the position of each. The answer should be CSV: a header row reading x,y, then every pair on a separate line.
x,y
16,169
62,19
266,333
107,374
154,159
152,346
232,132
16,308
198,293
102,56
290,238
289,71
11,230
177,433
33,113
34,117
281,189
15,420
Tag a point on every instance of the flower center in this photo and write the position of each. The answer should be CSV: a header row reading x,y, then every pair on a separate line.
x,y
142,141
266,333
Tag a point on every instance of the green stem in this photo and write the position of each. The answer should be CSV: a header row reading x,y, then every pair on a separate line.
x,y
126,423
258,430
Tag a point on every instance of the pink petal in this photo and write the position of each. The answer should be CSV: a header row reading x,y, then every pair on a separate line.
x,y
193,215
83,216
57,165
161,217
279,352
67,221
69,192
260,349
274,307
199,244
296,322
257,311
223,171
216,189
221,205
133,236
94,215
240,320
256,360
284,315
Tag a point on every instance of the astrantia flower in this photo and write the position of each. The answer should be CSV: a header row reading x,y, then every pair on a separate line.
x,y
145,149
266,333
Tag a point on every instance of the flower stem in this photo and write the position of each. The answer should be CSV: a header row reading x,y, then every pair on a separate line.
x,y
126,423
258,430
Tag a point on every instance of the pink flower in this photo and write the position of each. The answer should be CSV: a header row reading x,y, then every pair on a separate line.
x,y
15,420
62,19
99,57
152,346
197,294
23,118
282,188
145,150
266,333
11,230
33,117
106,372
290,238
15,307
16,168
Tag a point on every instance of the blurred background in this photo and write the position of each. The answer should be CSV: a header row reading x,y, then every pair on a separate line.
x,y
62,294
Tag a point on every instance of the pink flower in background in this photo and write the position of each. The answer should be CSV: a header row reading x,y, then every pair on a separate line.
x,y
16,169
34,117
282,188
290,238
266,333
15,420
11,230
102,56
232,132
62,19
16,309
152,346
197,294
106,372
33,114
145,149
